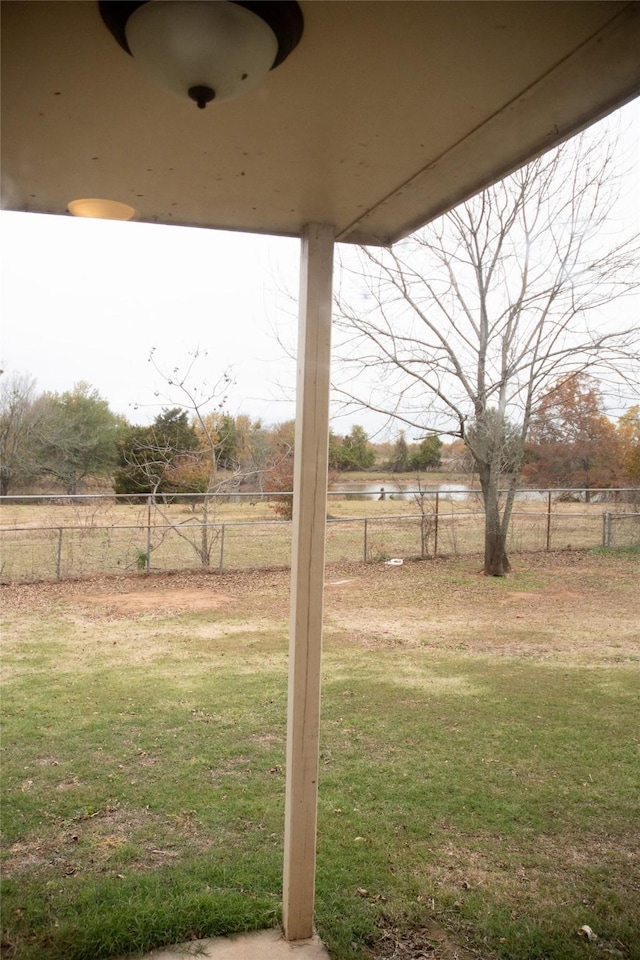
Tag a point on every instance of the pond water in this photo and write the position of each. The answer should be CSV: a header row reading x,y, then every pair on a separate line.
x,y
356,490
361,490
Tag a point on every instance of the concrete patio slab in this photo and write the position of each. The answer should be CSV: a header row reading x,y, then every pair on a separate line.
x,y
262,945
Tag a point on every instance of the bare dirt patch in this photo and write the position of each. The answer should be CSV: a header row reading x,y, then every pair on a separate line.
x,y
126,595
431,940
159,601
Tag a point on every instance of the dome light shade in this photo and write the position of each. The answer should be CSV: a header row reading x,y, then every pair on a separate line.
x,y
205,49
101,209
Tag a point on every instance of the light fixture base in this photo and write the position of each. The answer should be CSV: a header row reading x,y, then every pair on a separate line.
x,y
201,95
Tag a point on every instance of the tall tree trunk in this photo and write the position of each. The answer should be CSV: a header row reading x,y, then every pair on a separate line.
x,y
496,562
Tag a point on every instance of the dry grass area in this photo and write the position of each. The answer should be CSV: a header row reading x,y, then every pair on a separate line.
x,y
572,602
85,537
564,604
86,512
476,672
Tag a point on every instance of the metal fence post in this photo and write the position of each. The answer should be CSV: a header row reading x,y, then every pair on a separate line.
x,y
204,534
148,564
609,529
221,567
59,555
548,521
365,540
435,526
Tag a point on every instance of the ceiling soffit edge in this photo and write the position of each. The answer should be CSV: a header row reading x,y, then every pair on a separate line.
x,y
525,121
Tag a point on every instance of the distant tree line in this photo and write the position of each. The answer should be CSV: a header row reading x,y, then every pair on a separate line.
x,y
404,457
68,439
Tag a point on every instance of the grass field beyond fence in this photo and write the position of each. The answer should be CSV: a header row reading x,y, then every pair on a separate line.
x,y
479,761
60,538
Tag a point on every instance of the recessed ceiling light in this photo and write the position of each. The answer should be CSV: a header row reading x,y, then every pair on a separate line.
x,y
101,209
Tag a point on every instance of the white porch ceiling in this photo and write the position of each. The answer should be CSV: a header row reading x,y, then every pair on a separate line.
x,y
387,113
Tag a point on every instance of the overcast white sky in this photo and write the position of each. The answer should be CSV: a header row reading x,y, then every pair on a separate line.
x,y
87,300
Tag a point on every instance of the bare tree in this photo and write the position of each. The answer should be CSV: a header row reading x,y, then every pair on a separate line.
x,y
459,329
232,450
205,402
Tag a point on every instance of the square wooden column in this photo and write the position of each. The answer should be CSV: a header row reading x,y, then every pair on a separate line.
x,y
307,578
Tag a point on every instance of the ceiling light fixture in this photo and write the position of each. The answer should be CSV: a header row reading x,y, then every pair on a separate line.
x,y
101,209
205,49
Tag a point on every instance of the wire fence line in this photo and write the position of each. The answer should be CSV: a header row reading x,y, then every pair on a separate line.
x,y
621,531
48,540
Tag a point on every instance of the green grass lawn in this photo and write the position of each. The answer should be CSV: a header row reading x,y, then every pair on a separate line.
x,y
479,759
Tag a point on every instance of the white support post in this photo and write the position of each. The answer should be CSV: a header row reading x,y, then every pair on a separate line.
x,y
307,579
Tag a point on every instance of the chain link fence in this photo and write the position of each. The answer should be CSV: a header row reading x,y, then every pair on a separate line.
x,y
621,531
65,537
